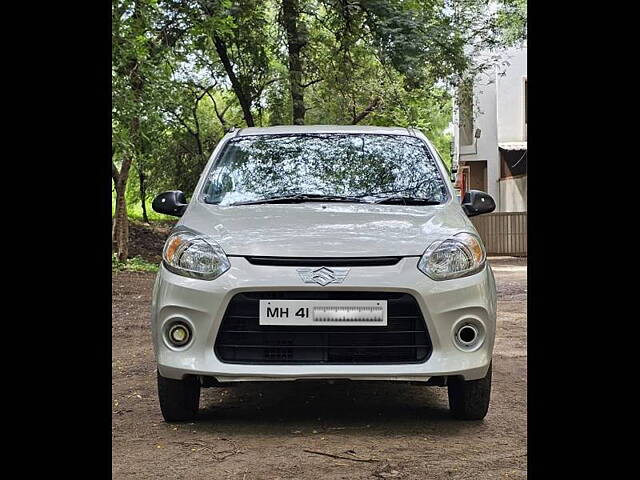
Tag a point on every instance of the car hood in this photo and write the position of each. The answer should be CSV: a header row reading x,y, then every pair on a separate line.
x,y
326,229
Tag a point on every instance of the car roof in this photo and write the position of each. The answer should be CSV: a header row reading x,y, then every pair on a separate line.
x,y
310,129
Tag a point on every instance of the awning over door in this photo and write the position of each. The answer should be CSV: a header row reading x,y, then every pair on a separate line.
x,y
513,146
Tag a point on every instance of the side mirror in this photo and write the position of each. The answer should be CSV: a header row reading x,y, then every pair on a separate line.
x,y
476,202
170,203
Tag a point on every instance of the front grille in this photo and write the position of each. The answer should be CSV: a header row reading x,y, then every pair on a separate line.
x,y
241,339
324,261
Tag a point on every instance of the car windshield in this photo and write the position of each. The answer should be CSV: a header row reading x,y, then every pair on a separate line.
x,y
349,167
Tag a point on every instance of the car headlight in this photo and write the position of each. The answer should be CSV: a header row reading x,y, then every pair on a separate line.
x,y
457,256
190,254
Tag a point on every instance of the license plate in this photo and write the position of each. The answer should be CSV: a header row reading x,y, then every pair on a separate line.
x,y
323,312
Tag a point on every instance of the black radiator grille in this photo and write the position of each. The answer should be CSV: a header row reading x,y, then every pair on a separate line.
x,y
241,339
324,261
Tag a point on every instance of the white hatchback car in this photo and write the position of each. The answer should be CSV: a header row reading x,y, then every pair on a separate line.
x,y
324,252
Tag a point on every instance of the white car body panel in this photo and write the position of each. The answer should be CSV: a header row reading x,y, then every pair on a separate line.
x,y
327,229
317,229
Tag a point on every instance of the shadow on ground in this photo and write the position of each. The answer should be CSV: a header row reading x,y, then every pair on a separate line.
x,y
281,407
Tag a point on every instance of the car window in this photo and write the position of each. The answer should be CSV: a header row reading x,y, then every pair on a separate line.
x,y
267,166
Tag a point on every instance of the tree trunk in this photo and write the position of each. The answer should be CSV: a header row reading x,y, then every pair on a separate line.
x,y
243,97
296,40
121,226
143,195
114,176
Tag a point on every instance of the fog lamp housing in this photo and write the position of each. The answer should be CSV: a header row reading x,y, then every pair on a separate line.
x,y
179,334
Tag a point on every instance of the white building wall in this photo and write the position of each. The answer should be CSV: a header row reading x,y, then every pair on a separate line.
x,y
513,194
487,123
511,126
499,114
484,148
510,96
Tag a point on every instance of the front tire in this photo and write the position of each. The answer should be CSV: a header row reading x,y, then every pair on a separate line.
x,y
179,399
469,400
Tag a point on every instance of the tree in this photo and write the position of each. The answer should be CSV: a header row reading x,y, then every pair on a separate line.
x,y
140,45
235,34
128,30
512,21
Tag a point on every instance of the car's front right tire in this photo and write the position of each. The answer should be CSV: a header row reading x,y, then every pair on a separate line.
x,y
179,399
469,400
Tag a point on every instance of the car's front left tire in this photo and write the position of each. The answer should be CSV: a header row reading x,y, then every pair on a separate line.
x,y
469,400
179,399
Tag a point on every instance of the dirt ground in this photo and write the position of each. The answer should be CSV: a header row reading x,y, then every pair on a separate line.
x,y
262,431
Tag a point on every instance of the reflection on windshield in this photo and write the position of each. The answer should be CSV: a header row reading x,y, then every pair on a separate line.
x,y
266,166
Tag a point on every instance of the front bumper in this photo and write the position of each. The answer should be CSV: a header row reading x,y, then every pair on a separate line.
x,y
444,304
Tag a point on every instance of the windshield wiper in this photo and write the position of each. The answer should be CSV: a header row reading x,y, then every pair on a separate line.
x,y
406,200
307,197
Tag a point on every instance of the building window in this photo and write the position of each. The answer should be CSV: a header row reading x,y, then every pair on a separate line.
x,y
465,106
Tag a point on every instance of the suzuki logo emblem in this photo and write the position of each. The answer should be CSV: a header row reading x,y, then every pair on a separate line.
x,y
323,275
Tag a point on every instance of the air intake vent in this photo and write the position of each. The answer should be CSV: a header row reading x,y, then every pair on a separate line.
x,y
241,339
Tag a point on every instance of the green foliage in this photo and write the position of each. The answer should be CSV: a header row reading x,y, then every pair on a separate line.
x,y
134,209
376,62
512,21
135,264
